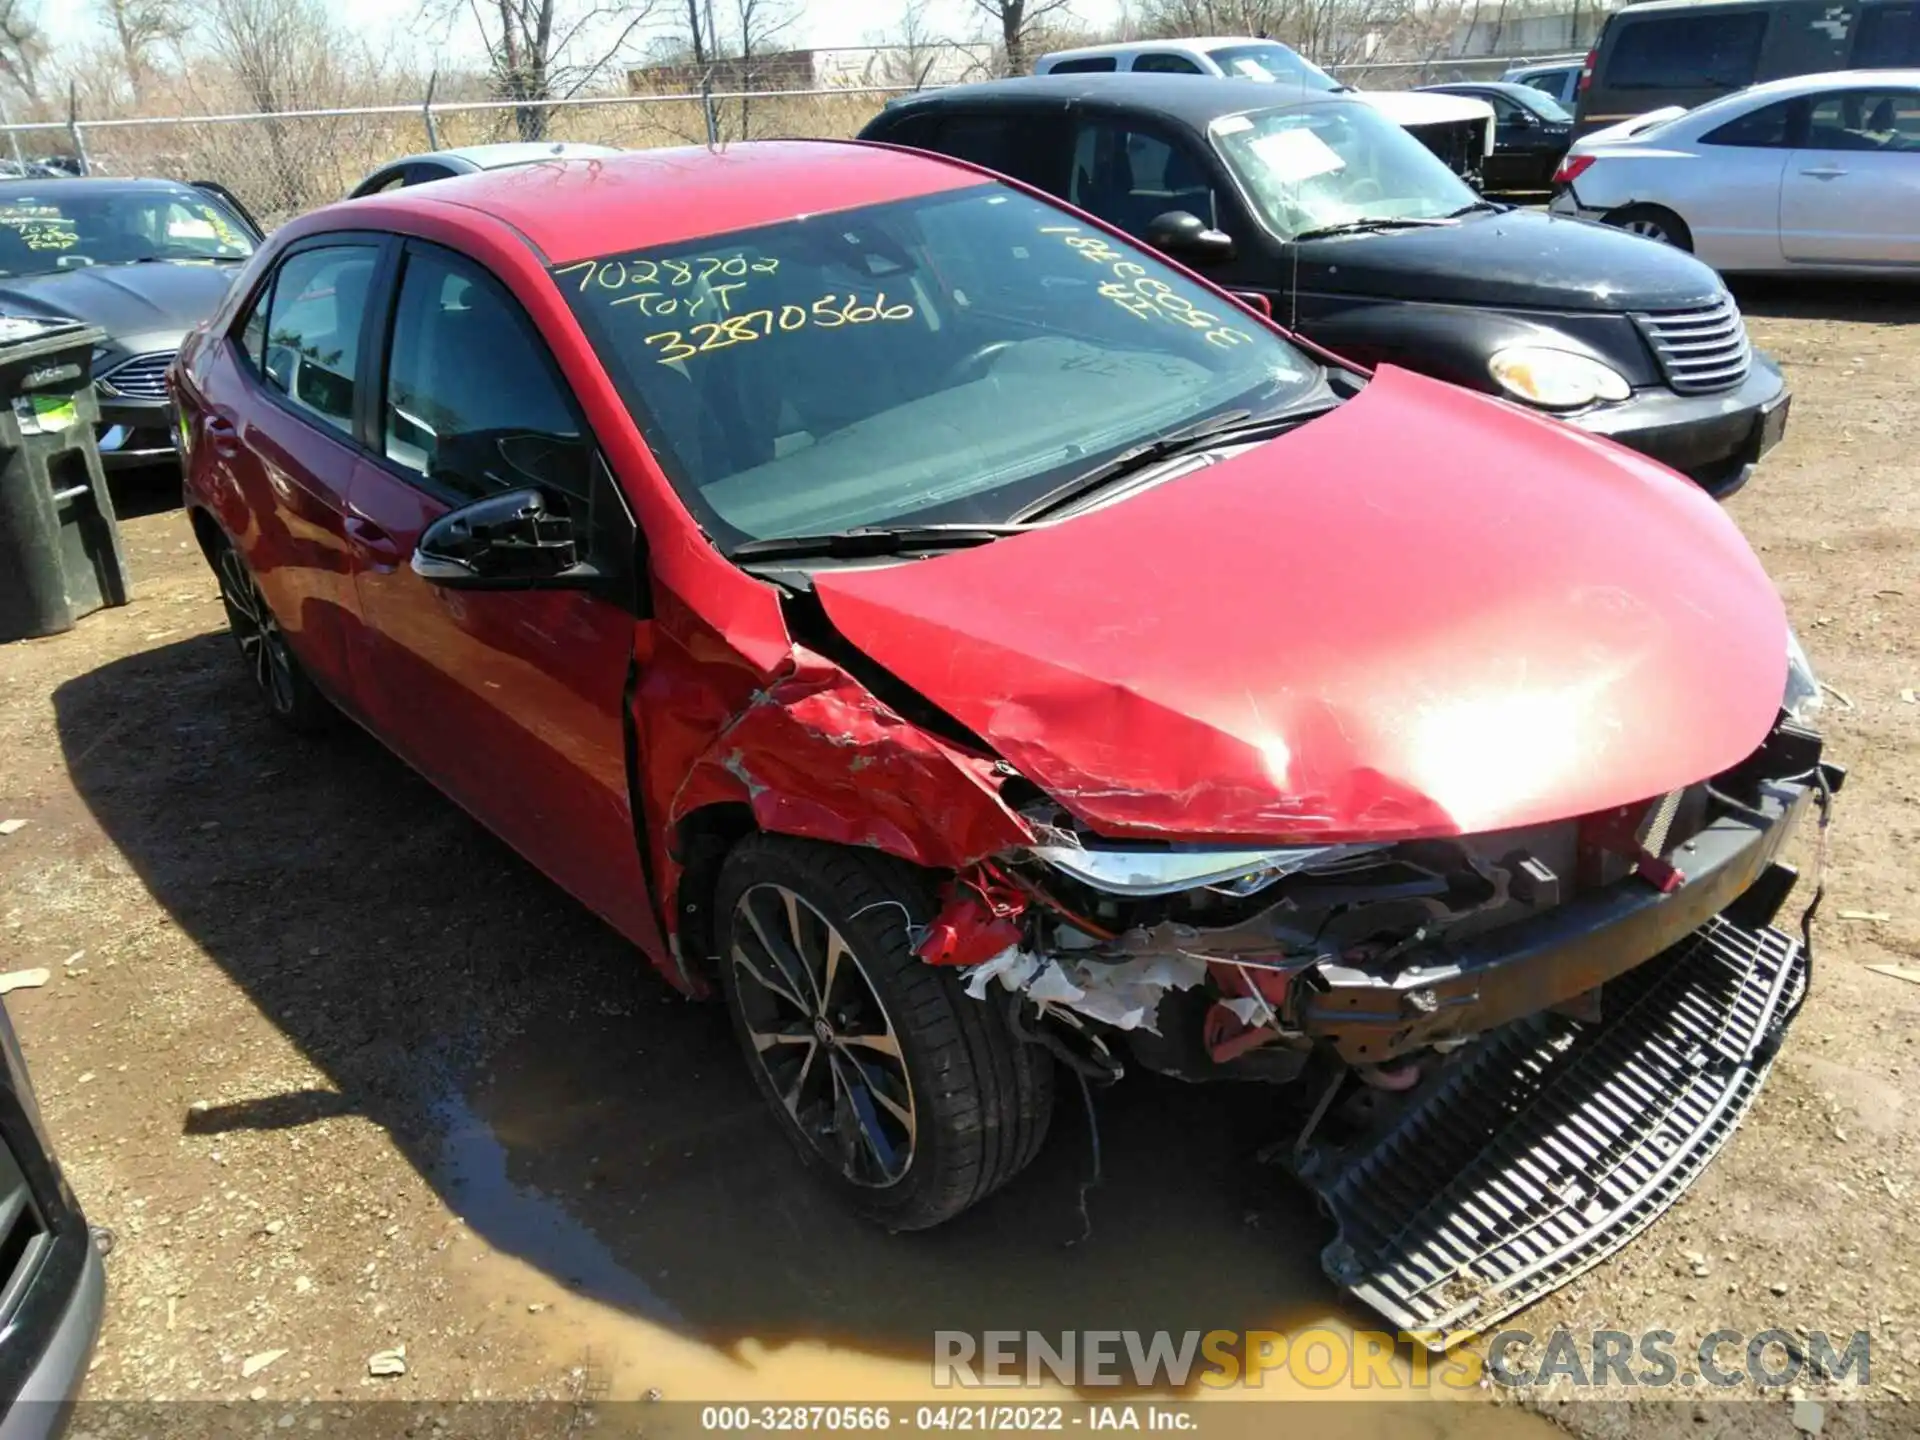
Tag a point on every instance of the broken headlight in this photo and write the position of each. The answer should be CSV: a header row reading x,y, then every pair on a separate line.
x,y
1802,698
1555,379
1143,873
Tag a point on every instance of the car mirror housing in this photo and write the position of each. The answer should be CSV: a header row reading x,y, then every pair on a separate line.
x,y
510,541
1185,236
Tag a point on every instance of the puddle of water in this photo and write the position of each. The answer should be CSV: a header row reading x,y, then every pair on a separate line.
x,y
627,1181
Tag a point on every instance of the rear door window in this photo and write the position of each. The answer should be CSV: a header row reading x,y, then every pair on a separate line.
x,y
1085,65
314,318
1164,63
1686,52
1007,141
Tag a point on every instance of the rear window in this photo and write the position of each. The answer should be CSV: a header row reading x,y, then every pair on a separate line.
x,y
1273,63
1887,37
1686,52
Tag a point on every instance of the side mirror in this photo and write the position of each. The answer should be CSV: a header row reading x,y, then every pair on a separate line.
x,y
1522,119
503,542
1185,236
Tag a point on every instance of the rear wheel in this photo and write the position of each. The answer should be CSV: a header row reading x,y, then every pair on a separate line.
x,y
1655,222
289,695
913,1100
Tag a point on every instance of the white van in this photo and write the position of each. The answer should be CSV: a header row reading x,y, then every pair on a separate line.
x,y
1455,127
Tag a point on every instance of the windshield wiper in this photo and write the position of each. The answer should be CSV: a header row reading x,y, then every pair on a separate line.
x,y
1234,427
871,540
1478,205
1369,222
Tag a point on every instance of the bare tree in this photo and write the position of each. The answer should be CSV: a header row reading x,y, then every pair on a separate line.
x,y
23,46
281,55
140,28
544,50
761,23
910,52
1019,22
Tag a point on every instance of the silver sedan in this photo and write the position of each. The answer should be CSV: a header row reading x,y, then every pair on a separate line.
x,y
1819,172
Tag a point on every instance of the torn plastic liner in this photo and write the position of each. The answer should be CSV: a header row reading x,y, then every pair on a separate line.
x,y
1125,994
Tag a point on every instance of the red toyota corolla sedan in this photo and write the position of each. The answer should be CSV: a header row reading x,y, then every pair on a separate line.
x,y
987,653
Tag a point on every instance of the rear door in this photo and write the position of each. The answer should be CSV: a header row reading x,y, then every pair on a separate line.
x,y
277,432
1851,193
511,700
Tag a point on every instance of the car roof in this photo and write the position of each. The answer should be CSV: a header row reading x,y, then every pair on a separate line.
x,y
1543,69
1504,87
506,153
576,209
1195,100
1186,45
97,182
1796,85
1658,7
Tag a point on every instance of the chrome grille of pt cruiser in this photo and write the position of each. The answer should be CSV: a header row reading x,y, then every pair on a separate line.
x,y
1700,351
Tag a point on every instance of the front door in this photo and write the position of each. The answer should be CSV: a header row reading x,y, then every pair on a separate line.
x,y
1851,192
511,700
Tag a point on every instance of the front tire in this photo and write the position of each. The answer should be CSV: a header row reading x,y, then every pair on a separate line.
x,y
1653,222
912,1100
290,697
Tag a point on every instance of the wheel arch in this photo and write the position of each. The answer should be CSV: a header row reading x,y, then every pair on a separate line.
x,y
701,842
206,531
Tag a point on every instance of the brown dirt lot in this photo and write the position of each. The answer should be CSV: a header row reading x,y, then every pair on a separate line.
x,y
342,1073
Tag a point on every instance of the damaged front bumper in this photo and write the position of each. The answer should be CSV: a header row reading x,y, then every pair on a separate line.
x,y
1555,957
1260,964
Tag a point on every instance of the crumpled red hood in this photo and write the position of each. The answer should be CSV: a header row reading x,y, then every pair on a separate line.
x,y
1425,613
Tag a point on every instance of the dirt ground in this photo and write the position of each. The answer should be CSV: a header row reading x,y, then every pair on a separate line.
x,y
342,1074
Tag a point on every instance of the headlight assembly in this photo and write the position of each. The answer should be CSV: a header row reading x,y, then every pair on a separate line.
x,y
1802,698
1555,379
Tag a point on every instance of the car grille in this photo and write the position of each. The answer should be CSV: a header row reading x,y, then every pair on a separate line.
x,y
1700,350
144,377
23,1235
1462,144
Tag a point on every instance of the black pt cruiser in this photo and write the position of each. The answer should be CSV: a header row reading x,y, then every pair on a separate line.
x,y
1360,239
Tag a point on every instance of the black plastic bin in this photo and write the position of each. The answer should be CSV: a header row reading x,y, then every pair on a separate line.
x,y
60,555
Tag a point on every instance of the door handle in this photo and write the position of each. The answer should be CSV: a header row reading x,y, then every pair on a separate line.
x,y
224,435
374,541
1828,172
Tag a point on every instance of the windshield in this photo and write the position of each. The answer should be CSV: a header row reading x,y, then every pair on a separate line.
x,y
1541,103
69,224
1325,165
942,359
1275,63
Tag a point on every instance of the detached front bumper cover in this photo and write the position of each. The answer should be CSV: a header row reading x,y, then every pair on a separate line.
x,y
1552,1144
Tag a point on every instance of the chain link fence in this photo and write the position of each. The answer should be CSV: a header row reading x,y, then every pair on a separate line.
x,y
280,165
